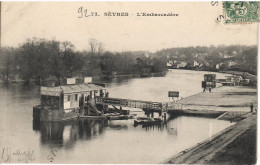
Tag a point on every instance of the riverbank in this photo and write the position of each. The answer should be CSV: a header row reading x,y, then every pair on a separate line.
x,y
234,145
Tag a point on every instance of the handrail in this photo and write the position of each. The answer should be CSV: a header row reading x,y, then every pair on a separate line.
x,y
137,103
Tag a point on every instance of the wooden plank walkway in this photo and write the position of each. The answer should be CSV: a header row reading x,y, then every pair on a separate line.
x,y
161,106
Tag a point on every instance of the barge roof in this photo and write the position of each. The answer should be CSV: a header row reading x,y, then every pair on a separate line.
x,y
75,88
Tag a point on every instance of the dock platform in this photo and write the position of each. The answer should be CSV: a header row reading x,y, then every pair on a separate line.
x,y
226,98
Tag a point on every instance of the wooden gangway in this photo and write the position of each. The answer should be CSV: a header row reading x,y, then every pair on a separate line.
x,y
160,106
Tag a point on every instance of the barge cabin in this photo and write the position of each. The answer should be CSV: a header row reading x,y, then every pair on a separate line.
x,y
68,101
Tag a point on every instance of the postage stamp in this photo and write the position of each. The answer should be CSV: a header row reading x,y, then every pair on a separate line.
x,y
241,12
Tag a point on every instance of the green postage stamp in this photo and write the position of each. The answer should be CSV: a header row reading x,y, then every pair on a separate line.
x,y
241,12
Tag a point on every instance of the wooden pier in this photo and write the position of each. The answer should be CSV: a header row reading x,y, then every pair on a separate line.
x,y
148,107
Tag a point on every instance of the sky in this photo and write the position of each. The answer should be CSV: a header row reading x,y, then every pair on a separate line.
x,y
195,25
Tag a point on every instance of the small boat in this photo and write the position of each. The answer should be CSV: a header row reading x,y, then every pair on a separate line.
x,y
145,75
120,117
111,114
92,117
148,121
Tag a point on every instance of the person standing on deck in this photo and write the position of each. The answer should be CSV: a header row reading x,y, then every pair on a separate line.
x,y
210,89
88,98
107,94
251,107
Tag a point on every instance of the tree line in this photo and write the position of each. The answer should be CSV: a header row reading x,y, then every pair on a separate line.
x,y
41,59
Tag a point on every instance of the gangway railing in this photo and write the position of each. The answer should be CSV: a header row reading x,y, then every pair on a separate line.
x,y
172,106
138,103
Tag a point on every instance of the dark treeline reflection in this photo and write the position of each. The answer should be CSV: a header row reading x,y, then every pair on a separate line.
x,y
64,134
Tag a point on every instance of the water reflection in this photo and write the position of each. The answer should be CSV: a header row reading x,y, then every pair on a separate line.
x,y
160,127
170,126
172,131
118,127
66,133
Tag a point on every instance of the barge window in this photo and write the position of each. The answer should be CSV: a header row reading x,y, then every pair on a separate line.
x,y
66,98
76,97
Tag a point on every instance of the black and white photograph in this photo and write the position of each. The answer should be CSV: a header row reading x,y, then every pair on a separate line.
x,y
120,82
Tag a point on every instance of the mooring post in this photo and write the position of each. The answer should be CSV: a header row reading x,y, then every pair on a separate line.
x,y
86,110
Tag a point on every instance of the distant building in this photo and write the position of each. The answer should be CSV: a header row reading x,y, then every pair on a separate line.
x,y
196,55
182,65
168,64
146,54
219,65
114,73
238,80
230,79
245,82
231,63
234,80
195,63
206,63
182,56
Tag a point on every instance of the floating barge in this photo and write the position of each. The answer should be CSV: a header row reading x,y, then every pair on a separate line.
x,y
69,102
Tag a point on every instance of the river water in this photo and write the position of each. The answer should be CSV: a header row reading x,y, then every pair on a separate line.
x,y
95,141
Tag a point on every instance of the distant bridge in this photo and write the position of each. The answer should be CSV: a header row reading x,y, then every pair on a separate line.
x,y
157,106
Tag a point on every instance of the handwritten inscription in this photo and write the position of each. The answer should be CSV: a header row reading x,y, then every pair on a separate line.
x,y
85,13
17,155
52,155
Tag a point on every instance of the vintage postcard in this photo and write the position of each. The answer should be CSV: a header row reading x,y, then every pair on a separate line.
x,y
128,82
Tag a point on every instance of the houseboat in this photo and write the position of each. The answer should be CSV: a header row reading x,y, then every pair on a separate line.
x,y
68,102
